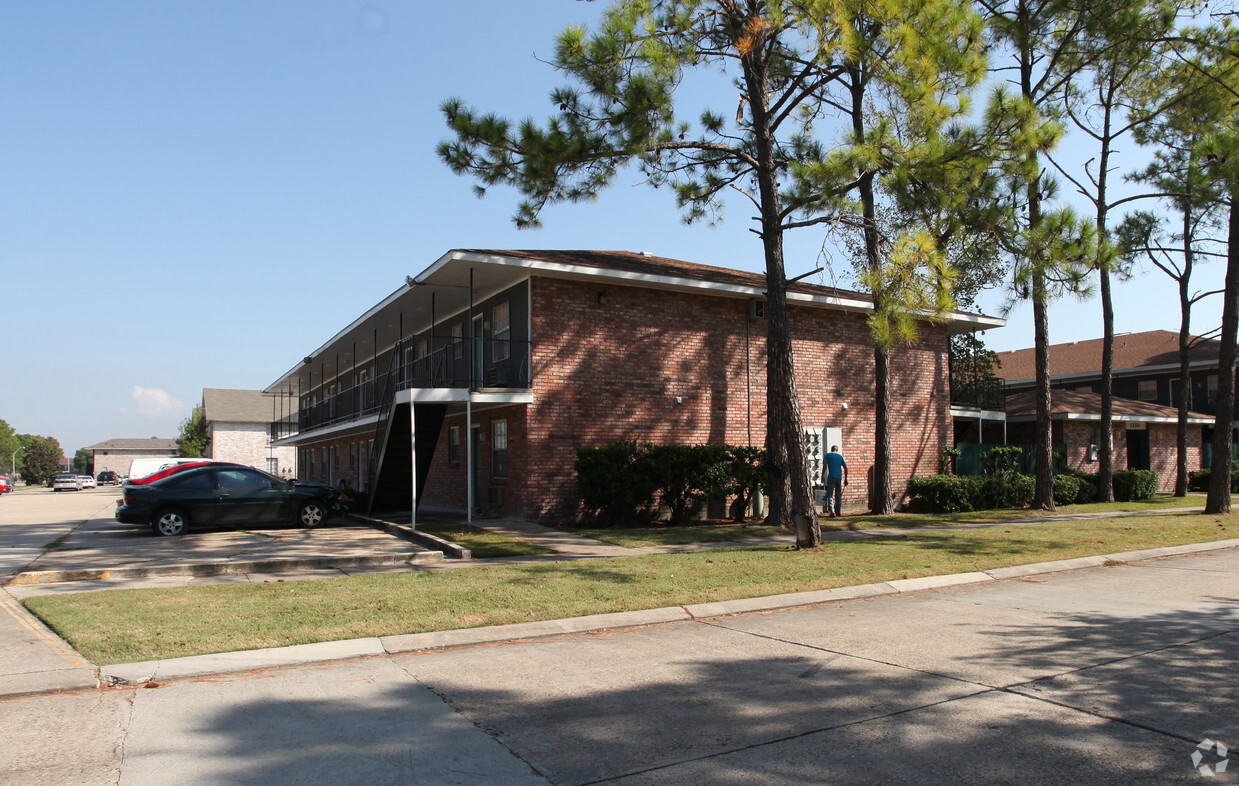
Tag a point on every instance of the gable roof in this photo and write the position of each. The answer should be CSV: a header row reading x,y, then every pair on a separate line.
x,y
445,288
153,443
221,405
1147,351
1085,405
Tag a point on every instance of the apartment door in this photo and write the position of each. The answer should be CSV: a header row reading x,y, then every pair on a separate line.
x,y
1138,448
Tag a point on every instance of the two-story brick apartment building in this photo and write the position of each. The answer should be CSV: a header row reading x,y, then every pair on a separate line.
x,y
1146,393
484,374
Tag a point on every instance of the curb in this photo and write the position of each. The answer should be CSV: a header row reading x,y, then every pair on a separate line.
x,y
305,654
416,537
224,568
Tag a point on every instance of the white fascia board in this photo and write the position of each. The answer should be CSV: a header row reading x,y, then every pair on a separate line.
x,y
1080,416
461,395
975,414
432,395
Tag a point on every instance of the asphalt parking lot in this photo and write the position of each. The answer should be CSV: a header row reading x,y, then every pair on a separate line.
x,y
71,536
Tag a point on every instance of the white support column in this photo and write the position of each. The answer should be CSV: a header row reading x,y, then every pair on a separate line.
x,y
413,466
469,458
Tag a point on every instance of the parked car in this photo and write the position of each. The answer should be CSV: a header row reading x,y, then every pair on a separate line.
x,y
6,485
175,468
147,465
107,478
88,481
66,482
220,494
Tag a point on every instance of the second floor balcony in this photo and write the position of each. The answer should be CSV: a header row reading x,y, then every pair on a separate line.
x,y
473,365
978,393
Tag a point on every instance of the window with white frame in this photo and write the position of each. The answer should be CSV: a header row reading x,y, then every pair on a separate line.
x,y
352,455
1147,390
453,444
273,466
499,449
1211,389
501,330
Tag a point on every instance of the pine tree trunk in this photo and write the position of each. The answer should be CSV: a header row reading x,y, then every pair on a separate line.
x,y
1185,385
791,498
1105,472
1218,500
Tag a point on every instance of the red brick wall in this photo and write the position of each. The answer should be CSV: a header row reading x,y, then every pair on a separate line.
x,y
1078,435
346,469
448,482
666,367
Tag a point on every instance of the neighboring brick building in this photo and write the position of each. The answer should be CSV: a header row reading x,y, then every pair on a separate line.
x,y
1144,433
1146,398
118,454
518,358
240,425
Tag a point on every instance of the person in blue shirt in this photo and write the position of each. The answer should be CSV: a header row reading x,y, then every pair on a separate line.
x,y
834,477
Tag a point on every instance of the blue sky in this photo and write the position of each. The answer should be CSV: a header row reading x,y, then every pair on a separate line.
x,y
197,194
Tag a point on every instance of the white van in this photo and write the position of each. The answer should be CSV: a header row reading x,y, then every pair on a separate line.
x,y
141,467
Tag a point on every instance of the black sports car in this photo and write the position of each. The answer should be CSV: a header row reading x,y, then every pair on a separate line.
x,y
224,495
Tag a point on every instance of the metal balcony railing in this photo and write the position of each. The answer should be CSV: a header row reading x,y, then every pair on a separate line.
x,y
979,393
467,365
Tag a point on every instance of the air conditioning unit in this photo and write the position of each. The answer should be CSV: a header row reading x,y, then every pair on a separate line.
x,y
757,308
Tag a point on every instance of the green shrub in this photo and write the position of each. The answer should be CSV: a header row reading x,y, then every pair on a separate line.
x,y
942,493
1087,492
619,482
1199,480
1134,484
1001,461
1066,489
1006,491
615,482
747,468
686,475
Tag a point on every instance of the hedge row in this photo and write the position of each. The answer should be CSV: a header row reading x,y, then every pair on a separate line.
x,y
627,482
1199,481
961,493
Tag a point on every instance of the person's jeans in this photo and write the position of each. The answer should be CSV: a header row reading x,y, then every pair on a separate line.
x,y
834,494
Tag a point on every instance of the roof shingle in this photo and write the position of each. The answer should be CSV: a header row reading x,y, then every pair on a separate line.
x,y
1131,351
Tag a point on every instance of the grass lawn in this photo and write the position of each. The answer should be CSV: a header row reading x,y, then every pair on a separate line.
x,y
133,625
482,544
719,531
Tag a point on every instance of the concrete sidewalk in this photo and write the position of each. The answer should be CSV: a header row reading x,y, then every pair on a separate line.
x,y
34,660
1119,673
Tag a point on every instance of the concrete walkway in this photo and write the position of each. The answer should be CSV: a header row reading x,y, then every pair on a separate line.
x,y
1119,673
34,660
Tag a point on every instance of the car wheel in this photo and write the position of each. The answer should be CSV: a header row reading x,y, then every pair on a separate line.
x,y
170,522
311,514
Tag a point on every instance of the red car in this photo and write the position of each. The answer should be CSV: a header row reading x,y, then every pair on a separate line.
x,y
175,468
6,485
